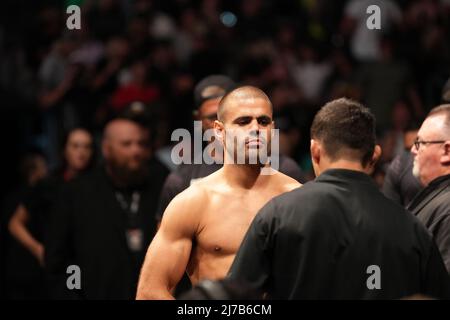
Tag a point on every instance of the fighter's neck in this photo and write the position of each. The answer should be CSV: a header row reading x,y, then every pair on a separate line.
x,y
241,175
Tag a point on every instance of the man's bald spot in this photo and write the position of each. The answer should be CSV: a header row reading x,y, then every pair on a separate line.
x,y
237,95
113,128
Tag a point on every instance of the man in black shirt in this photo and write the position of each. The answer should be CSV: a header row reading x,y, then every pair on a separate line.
x,y
103,222
432,166
339,237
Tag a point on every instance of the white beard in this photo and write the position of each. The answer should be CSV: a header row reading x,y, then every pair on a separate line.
x,y
416,170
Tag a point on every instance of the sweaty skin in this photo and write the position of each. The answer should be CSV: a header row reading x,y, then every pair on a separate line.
x,y
203,227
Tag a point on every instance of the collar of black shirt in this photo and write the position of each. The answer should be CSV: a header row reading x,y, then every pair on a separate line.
x,y
344,174
440,180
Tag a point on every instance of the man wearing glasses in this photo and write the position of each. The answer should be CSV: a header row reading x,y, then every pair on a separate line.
x,y
431,152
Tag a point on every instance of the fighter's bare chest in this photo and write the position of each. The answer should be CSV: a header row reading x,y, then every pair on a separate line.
x,y
225,220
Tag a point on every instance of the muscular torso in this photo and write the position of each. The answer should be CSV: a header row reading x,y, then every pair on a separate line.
x,y
223,221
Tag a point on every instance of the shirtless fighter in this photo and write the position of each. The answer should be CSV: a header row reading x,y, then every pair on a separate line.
x,y
203,227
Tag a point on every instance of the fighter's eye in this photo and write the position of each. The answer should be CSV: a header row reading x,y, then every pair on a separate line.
x,y
264,121
243,121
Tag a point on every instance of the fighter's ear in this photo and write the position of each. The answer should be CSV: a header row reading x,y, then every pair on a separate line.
x,y
445,158
219,130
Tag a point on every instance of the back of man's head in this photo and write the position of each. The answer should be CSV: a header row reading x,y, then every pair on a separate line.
x,y
346,129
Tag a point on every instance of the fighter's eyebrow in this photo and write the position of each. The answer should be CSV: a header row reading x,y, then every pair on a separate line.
x,y
246,119
242,119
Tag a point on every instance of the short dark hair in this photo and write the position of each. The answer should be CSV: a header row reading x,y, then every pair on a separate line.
x,y
346,128
442,109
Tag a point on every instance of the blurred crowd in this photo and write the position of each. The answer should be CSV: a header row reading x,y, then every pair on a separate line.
x,y
60,87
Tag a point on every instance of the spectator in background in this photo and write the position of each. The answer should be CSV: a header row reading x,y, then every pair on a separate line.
x,y
311,72
29,223
400,185
58,77
184,40
365,43
426,46
104,221
106,76
384,82
137,89
431,152
342,81
32,169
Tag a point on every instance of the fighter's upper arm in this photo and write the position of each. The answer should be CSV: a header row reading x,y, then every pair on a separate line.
x,y
169,252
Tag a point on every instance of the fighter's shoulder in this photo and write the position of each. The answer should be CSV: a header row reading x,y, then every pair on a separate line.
x,y
184,211
192,198
286,182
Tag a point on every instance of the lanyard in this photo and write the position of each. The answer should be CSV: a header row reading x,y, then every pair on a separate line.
x,y
134,205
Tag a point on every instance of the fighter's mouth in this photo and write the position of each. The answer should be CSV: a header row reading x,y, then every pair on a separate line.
x,y
255,142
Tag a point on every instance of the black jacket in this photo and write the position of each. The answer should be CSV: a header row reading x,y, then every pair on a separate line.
x,y
432,207
320,241
88,229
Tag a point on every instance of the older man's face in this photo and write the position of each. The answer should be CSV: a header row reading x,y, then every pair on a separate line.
x,y
429,149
